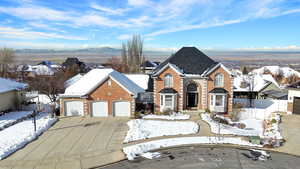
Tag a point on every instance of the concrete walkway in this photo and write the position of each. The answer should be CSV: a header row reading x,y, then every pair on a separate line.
x,y
73,143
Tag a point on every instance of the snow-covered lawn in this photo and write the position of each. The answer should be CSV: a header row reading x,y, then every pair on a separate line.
x,y
11,117
253,127
142,129
173,116
139,149
18,135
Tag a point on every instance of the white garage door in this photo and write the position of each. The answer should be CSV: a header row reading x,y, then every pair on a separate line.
x,y
121,108
100,109
74,108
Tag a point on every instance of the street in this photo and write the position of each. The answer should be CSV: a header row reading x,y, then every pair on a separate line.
x,y
208,158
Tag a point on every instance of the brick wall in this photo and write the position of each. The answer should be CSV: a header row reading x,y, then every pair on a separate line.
x,y
159,85
110,93
228,85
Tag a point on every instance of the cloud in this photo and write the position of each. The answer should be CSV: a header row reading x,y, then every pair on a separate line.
x,y
197,26
276,48
44,26
34,12
17,33
109,11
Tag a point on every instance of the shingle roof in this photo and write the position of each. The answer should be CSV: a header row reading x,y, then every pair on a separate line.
x,y
190,60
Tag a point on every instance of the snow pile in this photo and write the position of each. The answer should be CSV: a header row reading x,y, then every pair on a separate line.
x,y
173,116
150,155
9,85
217,128
272,128
20,134
12,117
138,149
143,129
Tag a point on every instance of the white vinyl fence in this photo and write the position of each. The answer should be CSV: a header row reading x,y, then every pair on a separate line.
x,y
262,108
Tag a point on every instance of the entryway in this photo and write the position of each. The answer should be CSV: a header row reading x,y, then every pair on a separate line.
x,y
192,96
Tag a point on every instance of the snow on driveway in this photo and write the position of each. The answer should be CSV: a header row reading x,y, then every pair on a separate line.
x,y
143,129
18,135
12,117
139,149
173,116
227,129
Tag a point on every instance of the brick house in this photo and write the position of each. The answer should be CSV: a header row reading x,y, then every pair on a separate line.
x,y
100,93
190,80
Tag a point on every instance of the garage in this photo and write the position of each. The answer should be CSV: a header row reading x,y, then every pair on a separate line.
x,y
74,108
100,109
296,105
121,108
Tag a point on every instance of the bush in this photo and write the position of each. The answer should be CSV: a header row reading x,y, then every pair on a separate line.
x,y
137,115
167,111
273,121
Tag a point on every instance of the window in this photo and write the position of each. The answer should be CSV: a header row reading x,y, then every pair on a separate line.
x,y
109,82
168,101
219,100
161,100
168,81
219,80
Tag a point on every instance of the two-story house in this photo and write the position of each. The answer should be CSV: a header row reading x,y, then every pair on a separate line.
x,y
190,80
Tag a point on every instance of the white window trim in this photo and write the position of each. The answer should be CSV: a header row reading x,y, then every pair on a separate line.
x,y
170,81
163,102
221,83
213,99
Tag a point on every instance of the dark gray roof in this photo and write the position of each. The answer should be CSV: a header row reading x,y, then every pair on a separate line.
x,y
190,60
218,90
167,90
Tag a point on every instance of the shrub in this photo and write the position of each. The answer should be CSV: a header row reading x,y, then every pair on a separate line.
x,y
273,121
167,111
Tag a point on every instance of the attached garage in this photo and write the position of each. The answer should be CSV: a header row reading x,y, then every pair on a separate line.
x,y
121,108
74,108
296,105
100,109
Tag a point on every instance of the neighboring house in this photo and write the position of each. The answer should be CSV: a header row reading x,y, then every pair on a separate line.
x,y
75,63
190,80
149,66
260,86
100,92
294,98
36,70
10,94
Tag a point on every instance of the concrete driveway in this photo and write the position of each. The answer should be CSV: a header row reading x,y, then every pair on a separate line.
x,y
73,143
291,132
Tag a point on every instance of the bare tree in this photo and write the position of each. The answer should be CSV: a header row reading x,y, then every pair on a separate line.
x,y
51,86
132,54
7,56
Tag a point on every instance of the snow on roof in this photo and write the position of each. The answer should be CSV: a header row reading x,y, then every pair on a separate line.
x,y
140,79
95,77
73,79
259,82
9,85
287,71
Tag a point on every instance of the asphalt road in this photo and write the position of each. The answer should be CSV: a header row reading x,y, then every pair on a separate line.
x,y
208,158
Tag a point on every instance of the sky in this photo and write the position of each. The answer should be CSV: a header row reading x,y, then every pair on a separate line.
x,y
163,24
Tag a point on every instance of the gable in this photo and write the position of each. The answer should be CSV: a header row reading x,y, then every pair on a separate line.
x,y
114,90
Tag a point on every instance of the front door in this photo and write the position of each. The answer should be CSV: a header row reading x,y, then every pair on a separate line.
x,y
192,100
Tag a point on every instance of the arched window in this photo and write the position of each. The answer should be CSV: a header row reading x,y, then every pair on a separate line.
x,y
168,81
192,88
219,80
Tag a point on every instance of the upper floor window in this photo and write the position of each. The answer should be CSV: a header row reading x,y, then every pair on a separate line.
x,y
219,80
168,81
